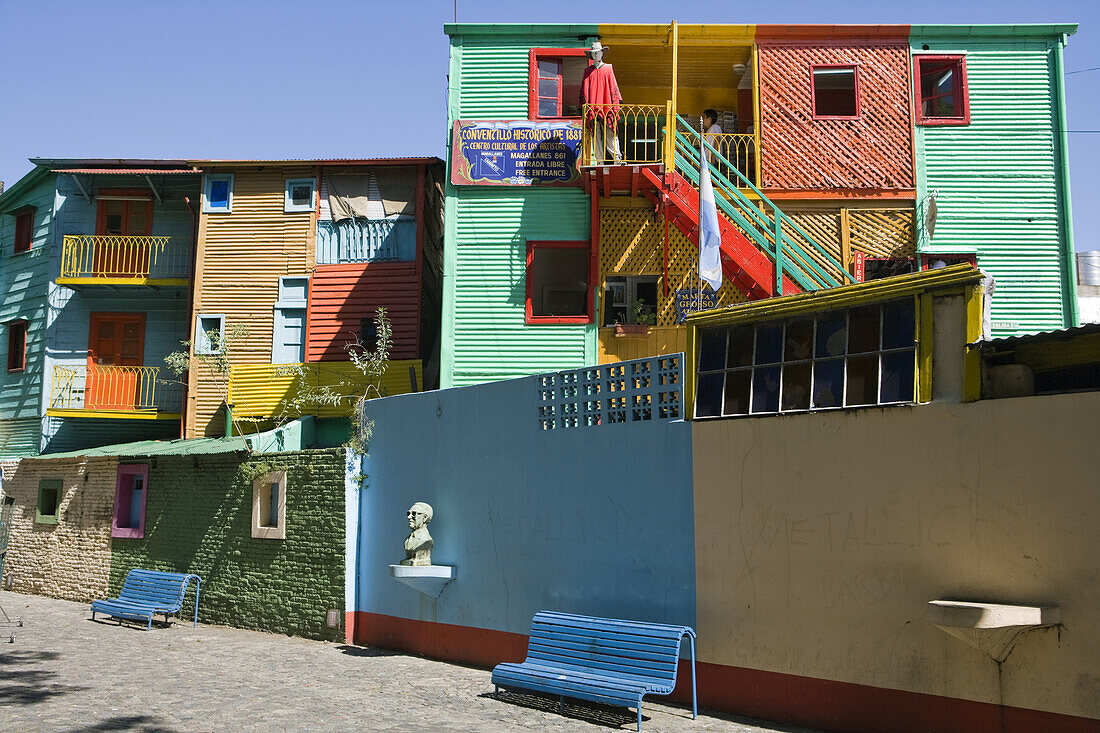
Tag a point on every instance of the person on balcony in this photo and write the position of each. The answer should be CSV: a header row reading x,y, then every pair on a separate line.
x,y
712,131
600,90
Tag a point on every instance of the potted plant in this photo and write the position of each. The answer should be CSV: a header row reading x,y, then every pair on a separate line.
x,y
642,316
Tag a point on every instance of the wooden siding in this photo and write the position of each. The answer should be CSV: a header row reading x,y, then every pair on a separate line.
x,y
240,258
876,230
874,151
260,391
341,296
997,185
632,243
24,283
660,340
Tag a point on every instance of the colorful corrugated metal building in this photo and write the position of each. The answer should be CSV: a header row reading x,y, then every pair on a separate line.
x,y
97,279
294,259
845,153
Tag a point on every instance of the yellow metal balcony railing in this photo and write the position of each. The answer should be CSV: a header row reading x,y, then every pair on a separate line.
x,y
624,133
113,391
267,391
124,260
738,149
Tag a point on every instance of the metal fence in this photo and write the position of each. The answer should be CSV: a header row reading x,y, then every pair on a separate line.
x,y
87,256
115,388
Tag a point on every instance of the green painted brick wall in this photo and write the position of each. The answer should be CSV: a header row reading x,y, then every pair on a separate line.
x,y
198,520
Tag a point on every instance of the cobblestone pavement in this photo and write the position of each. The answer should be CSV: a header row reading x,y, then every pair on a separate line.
x,y
67,673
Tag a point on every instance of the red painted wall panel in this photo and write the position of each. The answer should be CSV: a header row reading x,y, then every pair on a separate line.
x,y
874,151
342,295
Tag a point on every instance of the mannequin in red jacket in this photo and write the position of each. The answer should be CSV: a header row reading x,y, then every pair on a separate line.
x,y
598,87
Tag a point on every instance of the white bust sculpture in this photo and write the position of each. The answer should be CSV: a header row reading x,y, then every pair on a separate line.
x,y
418,545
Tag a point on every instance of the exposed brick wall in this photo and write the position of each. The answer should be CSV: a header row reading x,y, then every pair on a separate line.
x,y
70,559
198,519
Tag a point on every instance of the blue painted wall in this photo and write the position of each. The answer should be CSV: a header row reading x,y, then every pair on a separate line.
x,y
23,283
595,520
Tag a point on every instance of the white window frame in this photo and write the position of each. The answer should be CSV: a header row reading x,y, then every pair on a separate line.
x,y
201,343
283,304
209,179
261,490
288,204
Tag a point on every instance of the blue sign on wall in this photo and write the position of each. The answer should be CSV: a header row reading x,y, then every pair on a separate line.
x,y
518,153
689,300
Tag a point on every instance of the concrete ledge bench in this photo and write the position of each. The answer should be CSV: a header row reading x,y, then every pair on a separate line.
x,y
146,592
602,660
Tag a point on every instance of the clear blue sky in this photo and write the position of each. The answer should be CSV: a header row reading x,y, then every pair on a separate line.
x,y
275,79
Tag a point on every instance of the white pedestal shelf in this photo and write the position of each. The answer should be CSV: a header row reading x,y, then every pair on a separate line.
x,y
428,579
990,627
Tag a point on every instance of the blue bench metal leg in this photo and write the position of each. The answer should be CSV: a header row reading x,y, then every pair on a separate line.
x,y
694,701
198,582
639,713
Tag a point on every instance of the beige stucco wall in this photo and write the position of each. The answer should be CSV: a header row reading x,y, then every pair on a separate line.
x,y
821,537
70,559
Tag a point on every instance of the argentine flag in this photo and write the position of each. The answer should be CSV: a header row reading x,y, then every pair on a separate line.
x,y
710,236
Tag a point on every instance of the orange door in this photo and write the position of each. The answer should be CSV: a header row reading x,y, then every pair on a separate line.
x,y
116,340
124,218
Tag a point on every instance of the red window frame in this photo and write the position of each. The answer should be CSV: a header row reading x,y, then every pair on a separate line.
x,y
533,80
813,92
590,278
961,90
24,229
17,345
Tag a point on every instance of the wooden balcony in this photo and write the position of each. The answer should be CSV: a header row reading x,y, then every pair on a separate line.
x,y
116,260
259,392
128,392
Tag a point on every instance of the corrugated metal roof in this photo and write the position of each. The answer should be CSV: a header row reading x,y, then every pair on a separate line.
x,y
1060,334
319,161
181,447
130,171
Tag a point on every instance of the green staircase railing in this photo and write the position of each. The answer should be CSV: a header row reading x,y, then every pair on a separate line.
x,y
796,254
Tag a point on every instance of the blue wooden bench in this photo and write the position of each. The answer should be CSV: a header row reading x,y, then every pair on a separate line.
x,y
599,659
146,592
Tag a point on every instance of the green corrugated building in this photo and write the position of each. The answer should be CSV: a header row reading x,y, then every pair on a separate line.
x,y
871,150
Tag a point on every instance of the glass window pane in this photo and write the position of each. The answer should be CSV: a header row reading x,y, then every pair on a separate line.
x,y
548,88
765,390
800,337
708,395
863,330
834,92
219,194
548,107
796,386
737,392
548,68
769,343
559,281
712,349
862,380
301,194
898,324
829,383
832,335
740,350
897,377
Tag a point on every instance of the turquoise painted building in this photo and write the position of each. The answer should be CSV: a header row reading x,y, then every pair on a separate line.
x,y
97,259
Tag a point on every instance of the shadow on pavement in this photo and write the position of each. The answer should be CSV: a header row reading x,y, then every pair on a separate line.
x,y
589,712
21,684
366,651
144,723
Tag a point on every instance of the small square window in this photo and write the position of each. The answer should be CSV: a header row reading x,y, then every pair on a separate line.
x,y
209,333
558,282
941,90
24,230
17,346
217,194
835,92
555,82
269,506
130,493
299,195
48,508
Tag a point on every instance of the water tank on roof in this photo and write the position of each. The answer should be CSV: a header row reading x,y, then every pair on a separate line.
x,y
1088,268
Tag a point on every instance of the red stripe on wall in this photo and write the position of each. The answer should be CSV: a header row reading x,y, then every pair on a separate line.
x,y
783,698
343,295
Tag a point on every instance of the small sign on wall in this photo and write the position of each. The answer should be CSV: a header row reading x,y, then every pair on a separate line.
x,y
690,300
859,266
515,153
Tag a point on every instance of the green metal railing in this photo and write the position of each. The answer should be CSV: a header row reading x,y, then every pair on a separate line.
x,y
796,254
